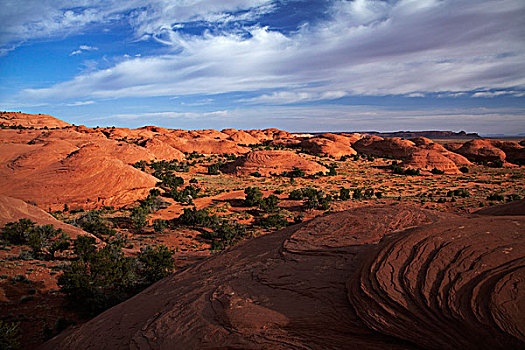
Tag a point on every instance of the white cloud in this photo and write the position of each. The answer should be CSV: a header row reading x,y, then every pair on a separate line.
x,y
287,97
24,20
83,48
80,103
366,48
490,94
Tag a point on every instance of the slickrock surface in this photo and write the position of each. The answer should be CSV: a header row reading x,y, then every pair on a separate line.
x,y
55,173
383,277
457,284
31,120
276,162
12,209
330,144
480,151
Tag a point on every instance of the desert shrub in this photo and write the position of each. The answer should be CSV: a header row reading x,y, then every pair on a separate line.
x,y
84,247
316,199
10,335
139,217
464,170
194,217
397,169
441,200
495,197
358,194
344,194
156,263
332,170
436,171
256,174
94,223
272,221
460,192
379,194
44,240
17,232
213,169
296,172
253,196
296,194
369,193
101,278
225,234
513,197
170,182
269,204
160,225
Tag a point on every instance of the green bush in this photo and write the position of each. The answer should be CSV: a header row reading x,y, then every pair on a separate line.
x,y
296,194
272,221
269,204
460,192
436,171
160,225
43,240
17,232
344,194
296,172
495,197
9,335
253,196
94,223
103,277
213,169
194,217
156,263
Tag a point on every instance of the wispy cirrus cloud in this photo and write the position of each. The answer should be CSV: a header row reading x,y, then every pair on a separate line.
x,y
26,20
80,103
83,48
365,47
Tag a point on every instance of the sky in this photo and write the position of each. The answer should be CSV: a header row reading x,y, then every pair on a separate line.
x,y
297,65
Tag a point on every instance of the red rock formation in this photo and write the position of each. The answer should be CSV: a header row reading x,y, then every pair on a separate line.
x,y
85,177
31,120
428,160
203,145
285,290
161,150
481,151
389,277
242,137
12,209
276,162
322,146
391,147
456,284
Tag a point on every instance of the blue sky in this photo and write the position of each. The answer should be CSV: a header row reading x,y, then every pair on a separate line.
x,y
318,65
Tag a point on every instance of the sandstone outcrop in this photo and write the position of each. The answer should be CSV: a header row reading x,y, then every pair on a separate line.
x,y
12,209
381,277
275,162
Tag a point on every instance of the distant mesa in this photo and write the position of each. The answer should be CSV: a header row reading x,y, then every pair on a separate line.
x,y
428,134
